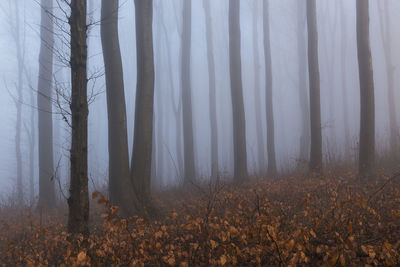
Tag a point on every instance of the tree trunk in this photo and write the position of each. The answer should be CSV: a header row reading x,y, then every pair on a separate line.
x,y
212,93
45,119
18,103
304,150
315,164
78,200
177,108
271,171
120,184
187,112
144,108
238,115
367,104
344,80
257,89
387,49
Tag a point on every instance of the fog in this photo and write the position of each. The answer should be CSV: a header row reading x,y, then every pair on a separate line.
x,y
338,149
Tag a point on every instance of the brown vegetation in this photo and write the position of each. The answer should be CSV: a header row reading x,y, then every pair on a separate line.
x,y
317,222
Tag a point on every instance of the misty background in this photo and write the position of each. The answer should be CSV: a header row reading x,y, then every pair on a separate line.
x,y
167,27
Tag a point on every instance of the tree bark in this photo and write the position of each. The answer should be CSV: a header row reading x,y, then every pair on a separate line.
x,y
45,118
187,109
387,49
315,164
144,108
78,200
271,171
238,115
16,31
304,150
212,93
121,189
257,90
344,79
367,98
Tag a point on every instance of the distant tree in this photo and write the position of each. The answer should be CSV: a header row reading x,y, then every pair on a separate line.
x,y
315,164
187,109
78,200
238,115
304,151
121,188
13,14
257,90
271,171
212,91
344,38
367,98
386,36
47,198
176,105
144,108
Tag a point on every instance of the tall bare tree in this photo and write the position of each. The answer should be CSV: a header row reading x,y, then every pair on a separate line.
x,y
238,115
257,91
304,150
121,189
367,97
144,108
212,91
45,119
187,109
315,164
271,171
343,49
78,200
385,29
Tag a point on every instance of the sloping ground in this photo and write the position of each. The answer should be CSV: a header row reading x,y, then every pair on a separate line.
x,y
317,222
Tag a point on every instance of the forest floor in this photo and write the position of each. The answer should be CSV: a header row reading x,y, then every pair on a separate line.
x,y
321,221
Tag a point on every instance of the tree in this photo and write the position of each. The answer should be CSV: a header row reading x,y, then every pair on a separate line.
x,y
78,201
315,164
238,115
304,150
47,197
343,74
257,91
269,94
187,111
121,189
212,93
367,98
386,36
144,108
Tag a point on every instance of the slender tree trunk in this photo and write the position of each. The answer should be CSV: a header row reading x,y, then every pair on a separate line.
x,y
304,150
78,200
367,98
387,49
344,79
315,164
160,114
47,198
121,189
177,108
238,115
187,111
144,108
18,103
271,171
257,91
212,92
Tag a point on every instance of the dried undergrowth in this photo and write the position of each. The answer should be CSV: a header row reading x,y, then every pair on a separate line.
x,y
329,221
